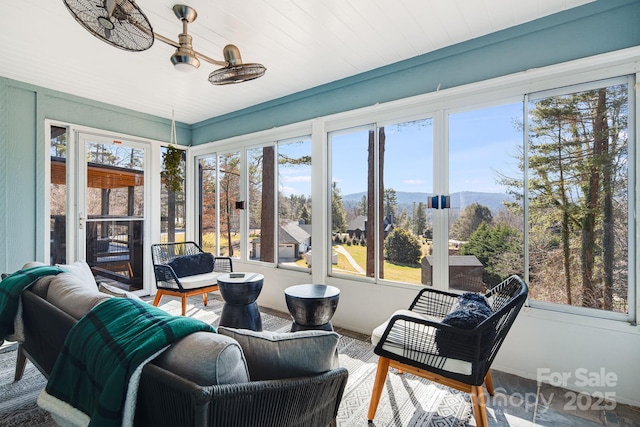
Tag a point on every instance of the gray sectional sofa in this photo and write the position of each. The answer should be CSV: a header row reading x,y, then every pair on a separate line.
x,y
226,379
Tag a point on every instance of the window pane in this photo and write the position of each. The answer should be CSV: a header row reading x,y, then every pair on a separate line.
x,y
349,200
578,198
207,173
261,207
172,203
229,181
486,217
294,203
58,195
406,159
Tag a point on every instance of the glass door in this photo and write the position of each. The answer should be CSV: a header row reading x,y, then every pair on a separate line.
x,y
111,208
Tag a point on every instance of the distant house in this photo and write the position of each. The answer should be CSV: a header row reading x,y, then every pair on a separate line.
x,y
358,226
294,240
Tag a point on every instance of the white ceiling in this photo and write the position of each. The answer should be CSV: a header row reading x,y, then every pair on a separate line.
x,y
303,44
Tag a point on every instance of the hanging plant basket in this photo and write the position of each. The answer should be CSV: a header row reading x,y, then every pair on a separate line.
x,y
172,172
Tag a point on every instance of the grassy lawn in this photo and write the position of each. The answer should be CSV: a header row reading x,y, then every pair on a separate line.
x,y
398,273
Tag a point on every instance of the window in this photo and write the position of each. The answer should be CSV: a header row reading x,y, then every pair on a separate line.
x,y
208,206
294,203
578,186
381,176
261,203
486,217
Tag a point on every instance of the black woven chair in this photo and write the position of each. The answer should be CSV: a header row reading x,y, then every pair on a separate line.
x,y
415,341
183,269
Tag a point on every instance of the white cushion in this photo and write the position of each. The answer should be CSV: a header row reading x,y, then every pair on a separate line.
x,y
444,363
200,280
82,270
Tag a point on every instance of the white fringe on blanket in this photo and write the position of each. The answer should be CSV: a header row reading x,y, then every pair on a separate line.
x,y
66,415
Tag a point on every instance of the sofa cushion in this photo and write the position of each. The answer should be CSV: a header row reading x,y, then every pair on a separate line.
x,y
117,292
272,356
73,295
206,359
190,265
82,270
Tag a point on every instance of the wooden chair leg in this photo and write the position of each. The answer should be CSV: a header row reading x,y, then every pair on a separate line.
x,y
21,363
488,382
204,299
378,385
184,305
479,407
156,300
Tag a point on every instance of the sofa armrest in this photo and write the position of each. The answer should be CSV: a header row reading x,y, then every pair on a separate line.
x,y
165,274
164,399
45,329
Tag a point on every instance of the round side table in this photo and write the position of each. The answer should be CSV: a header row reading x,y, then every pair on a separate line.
x,y
312,306
240,292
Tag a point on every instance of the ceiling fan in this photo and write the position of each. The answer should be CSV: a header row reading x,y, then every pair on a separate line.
x,y
121,23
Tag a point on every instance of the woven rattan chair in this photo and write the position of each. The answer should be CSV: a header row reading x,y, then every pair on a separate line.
x,y
415,341
183,270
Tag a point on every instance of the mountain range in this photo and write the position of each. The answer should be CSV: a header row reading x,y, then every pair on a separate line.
x,y
459,200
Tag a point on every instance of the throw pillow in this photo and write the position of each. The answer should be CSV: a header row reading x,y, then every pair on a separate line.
x,y
469,311
81,270
206,359
117,292
272,356
190,265
73,295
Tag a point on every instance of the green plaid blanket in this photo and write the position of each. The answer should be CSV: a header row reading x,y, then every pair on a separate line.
x,y
105,347
11,289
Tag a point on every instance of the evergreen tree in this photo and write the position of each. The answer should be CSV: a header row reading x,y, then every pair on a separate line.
x,y
472,216
490,244
338,213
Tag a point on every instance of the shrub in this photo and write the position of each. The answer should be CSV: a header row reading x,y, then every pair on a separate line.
x,y
402,247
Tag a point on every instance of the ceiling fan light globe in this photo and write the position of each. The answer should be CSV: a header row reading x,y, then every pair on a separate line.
x,y
186,63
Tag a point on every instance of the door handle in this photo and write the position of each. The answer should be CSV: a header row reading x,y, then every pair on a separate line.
x,y
439,202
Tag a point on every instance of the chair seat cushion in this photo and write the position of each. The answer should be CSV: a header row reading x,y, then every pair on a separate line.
x,y
200,281
273,356
469,311
191,265
397,345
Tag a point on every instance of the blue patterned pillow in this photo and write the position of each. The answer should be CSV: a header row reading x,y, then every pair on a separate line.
x,y
190,265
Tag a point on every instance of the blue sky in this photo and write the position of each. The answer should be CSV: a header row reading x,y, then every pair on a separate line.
x,y
480,143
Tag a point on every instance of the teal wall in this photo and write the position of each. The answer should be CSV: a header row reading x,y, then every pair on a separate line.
x,y
599,27
23,109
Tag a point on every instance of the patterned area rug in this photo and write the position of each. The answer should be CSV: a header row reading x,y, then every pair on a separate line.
x,y
407,401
